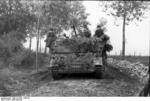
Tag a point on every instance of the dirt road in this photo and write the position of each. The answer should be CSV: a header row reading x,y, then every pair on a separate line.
x,y
114,84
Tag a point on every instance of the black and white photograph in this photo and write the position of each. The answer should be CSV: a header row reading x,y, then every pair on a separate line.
x,y
74,48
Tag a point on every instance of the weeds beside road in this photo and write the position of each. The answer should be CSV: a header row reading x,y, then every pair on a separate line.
x,y
142,59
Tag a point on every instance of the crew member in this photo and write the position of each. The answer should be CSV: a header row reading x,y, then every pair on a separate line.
x,y
100,34
51,37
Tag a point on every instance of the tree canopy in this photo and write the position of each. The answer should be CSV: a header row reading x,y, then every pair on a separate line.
x,y
134,10
14,17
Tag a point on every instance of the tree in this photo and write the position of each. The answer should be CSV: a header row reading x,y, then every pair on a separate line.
x,y
63,15
31,32
48,14
31,28
59,15
14,17
128,11
77,16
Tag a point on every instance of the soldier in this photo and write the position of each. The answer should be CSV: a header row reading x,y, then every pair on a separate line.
x,y
100,34
99,31
51,37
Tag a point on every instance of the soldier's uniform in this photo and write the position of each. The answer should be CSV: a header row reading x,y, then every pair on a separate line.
x,y
51,37
100,34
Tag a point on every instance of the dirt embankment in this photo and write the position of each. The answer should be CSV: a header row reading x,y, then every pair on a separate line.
x,y
133,69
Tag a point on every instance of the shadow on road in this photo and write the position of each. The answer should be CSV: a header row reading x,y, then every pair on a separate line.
x,y
84,76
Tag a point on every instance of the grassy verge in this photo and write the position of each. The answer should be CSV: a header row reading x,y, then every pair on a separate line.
x,y
17,79
142,59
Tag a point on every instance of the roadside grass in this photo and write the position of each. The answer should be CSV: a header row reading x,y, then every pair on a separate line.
x,y
142,59
18,79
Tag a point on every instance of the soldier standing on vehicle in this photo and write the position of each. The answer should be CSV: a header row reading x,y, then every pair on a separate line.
x,y
100,34
99,31
51,37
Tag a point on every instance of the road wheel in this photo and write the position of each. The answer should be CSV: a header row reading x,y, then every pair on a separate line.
x,y
55,74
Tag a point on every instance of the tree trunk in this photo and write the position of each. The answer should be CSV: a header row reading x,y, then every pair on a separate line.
x,y
37,45
30,43
45,50
37,50
123,37
74,29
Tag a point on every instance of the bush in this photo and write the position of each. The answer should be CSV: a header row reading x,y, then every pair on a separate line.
x,y
9,46
27,59
12,52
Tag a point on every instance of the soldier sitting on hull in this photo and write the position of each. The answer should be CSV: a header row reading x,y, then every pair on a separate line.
x,y
108,47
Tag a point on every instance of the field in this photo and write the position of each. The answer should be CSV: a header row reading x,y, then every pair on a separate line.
x,y
142,59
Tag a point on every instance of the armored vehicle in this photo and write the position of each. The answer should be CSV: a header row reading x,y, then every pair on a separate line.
x,y
80,55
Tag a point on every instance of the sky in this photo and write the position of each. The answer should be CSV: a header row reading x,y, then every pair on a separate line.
x,y
137,36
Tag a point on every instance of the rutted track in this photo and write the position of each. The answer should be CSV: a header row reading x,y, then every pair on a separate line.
x,y
114,84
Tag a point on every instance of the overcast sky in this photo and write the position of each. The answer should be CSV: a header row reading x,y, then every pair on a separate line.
x,y
137,36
